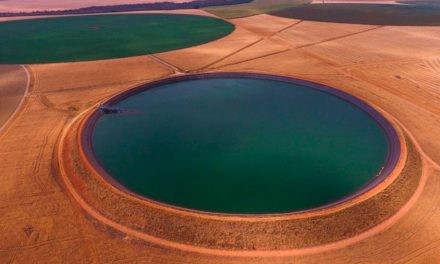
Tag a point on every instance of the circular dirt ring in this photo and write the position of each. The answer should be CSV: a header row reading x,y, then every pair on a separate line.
x,y
97,37
234,234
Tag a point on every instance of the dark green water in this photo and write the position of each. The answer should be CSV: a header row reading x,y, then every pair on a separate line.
x,y
239,145
96,37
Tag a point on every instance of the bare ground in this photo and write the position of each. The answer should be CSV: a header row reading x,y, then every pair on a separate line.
x,y
394,68
14,82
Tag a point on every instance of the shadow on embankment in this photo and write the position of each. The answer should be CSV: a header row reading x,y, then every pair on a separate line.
x,y
414,13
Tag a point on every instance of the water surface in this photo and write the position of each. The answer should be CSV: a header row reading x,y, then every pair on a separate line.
x,y
238,145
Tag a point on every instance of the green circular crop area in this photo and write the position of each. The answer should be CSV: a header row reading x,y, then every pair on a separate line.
x,y
84,38
408,13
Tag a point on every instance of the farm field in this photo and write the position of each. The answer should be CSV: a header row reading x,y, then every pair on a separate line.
x,y
407,14
80,38
39,5
255,7
49,216
13,85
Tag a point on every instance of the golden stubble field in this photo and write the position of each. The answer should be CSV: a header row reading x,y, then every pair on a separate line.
x,y
13,85
394,68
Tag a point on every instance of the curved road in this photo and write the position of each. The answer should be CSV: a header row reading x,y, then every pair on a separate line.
x,y
14,83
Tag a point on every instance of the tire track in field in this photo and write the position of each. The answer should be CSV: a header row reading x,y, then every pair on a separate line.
x,y
37,165
43,243
176,70
338,37
418,252
18,107
251,59
231,54
415,227
295,47
262,38
431,245
432,65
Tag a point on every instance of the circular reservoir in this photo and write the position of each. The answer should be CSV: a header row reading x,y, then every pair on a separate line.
x,y
96,37
241,144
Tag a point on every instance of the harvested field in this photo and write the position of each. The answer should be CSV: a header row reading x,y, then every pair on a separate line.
x,y
355,49
308,33
393,68
199,58
14,81
255,7
258,25
88,75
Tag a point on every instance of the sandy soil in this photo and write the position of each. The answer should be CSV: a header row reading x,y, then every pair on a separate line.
x,y
40,5
394,68
14,82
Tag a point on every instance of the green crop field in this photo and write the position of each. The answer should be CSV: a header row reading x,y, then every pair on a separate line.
x,y
413,13
83,38
254,8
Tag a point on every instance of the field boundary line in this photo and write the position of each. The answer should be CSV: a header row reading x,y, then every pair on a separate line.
x,y
262,38
286,28
338,37
174,68
421,59
19,106
251,59
231,54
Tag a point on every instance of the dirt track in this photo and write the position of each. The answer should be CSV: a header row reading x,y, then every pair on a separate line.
x,y
14,83
395,68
